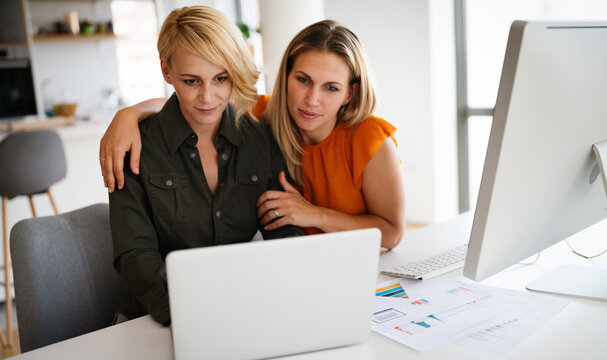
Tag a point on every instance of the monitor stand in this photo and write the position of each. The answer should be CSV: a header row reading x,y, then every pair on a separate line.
x,y
575,280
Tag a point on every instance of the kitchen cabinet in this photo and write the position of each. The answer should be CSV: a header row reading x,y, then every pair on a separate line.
x,y
12,24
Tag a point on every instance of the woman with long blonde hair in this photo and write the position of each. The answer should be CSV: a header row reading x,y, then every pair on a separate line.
x,y
342,158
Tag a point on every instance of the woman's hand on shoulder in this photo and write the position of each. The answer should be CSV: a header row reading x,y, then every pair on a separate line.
x,y
286,207
123,135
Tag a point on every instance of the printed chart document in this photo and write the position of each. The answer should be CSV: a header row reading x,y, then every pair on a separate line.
x,y
425,315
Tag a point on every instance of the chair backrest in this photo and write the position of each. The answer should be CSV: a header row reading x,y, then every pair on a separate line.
x,y
30,162
65,284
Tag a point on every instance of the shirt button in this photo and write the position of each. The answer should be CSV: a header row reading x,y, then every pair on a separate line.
x,y
192,155
254,178
218,213
224,156
168,182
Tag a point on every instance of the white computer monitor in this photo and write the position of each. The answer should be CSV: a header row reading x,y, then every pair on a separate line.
x,y
542,178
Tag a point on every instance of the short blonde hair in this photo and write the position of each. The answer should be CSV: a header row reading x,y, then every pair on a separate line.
x,y
323,36
208,33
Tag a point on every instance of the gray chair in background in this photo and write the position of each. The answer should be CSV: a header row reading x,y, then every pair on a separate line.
x,y
30,162
65,284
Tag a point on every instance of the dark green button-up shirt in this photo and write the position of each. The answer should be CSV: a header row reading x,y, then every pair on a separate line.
x,y
169,205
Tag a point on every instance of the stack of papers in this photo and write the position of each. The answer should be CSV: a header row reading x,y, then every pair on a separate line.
x,y
425,315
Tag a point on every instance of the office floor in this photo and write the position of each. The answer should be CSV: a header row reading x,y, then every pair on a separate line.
x,y
15,349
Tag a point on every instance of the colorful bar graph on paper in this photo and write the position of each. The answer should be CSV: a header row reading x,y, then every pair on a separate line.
x,y
422,324
434,317
420,302
394,290
458,291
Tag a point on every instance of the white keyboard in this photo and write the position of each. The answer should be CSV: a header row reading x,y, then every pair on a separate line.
x,y
431,266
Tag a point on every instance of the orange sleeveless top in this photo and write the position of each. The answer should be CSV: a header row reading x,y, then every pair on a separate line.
x,y
332,170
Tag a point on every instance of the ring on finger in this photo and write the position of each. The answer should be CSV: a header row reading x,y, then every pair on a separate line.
x,y
276,213
101,158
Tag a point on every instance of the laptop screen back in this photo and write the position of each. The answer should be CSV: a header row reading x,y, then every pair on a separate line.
x,y
273,298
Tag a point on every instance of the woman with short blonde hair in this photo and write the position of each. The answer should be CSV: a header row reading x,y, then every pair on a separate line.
x,y
208,33
195,158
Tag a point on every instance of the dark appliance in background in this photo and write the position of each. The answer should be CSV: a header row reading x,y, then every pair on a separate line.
x,y
17,94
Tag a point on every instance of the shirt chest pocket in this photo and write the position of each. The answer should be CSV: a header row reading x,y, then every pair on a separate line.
x,y
251,184
254,177
169,195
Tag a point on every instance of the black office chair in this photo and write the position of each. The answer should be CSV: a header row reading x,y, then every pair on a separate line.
x,y
65,284
30,162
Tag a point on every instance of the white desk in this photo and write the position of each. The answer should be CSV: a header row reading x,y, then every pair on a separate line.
x,y
578,331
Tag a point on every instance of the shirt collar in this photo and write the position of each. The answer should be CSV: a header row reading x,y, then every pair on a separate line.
x,y
176,129
228,128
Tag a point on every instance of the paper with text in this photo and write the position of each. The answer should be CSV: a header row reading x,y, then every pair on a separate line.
x,y
434,312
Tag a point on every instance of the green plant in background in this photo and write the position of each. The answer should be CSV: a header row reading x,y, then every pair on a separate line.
x,y
246,30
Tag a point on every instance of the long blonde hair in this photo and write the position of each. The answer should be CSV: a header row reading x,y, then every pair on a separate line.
x,y
324,36
208,33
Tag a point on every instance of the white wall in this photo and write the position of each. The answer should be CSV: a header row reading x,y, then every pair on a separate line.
x,y
280,22
410,45
443,108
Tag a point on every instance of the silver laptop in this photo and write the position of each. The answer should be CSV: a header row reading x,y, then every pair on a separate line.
x,y
273,298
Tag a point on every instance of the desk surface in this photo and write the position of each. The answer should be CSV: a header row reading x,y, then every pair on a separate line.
x,y
580,329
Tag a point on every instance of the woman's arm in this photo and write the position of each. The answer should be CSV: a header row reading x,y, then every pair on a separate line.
x,y
122,135
278,167
383,190
136,249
